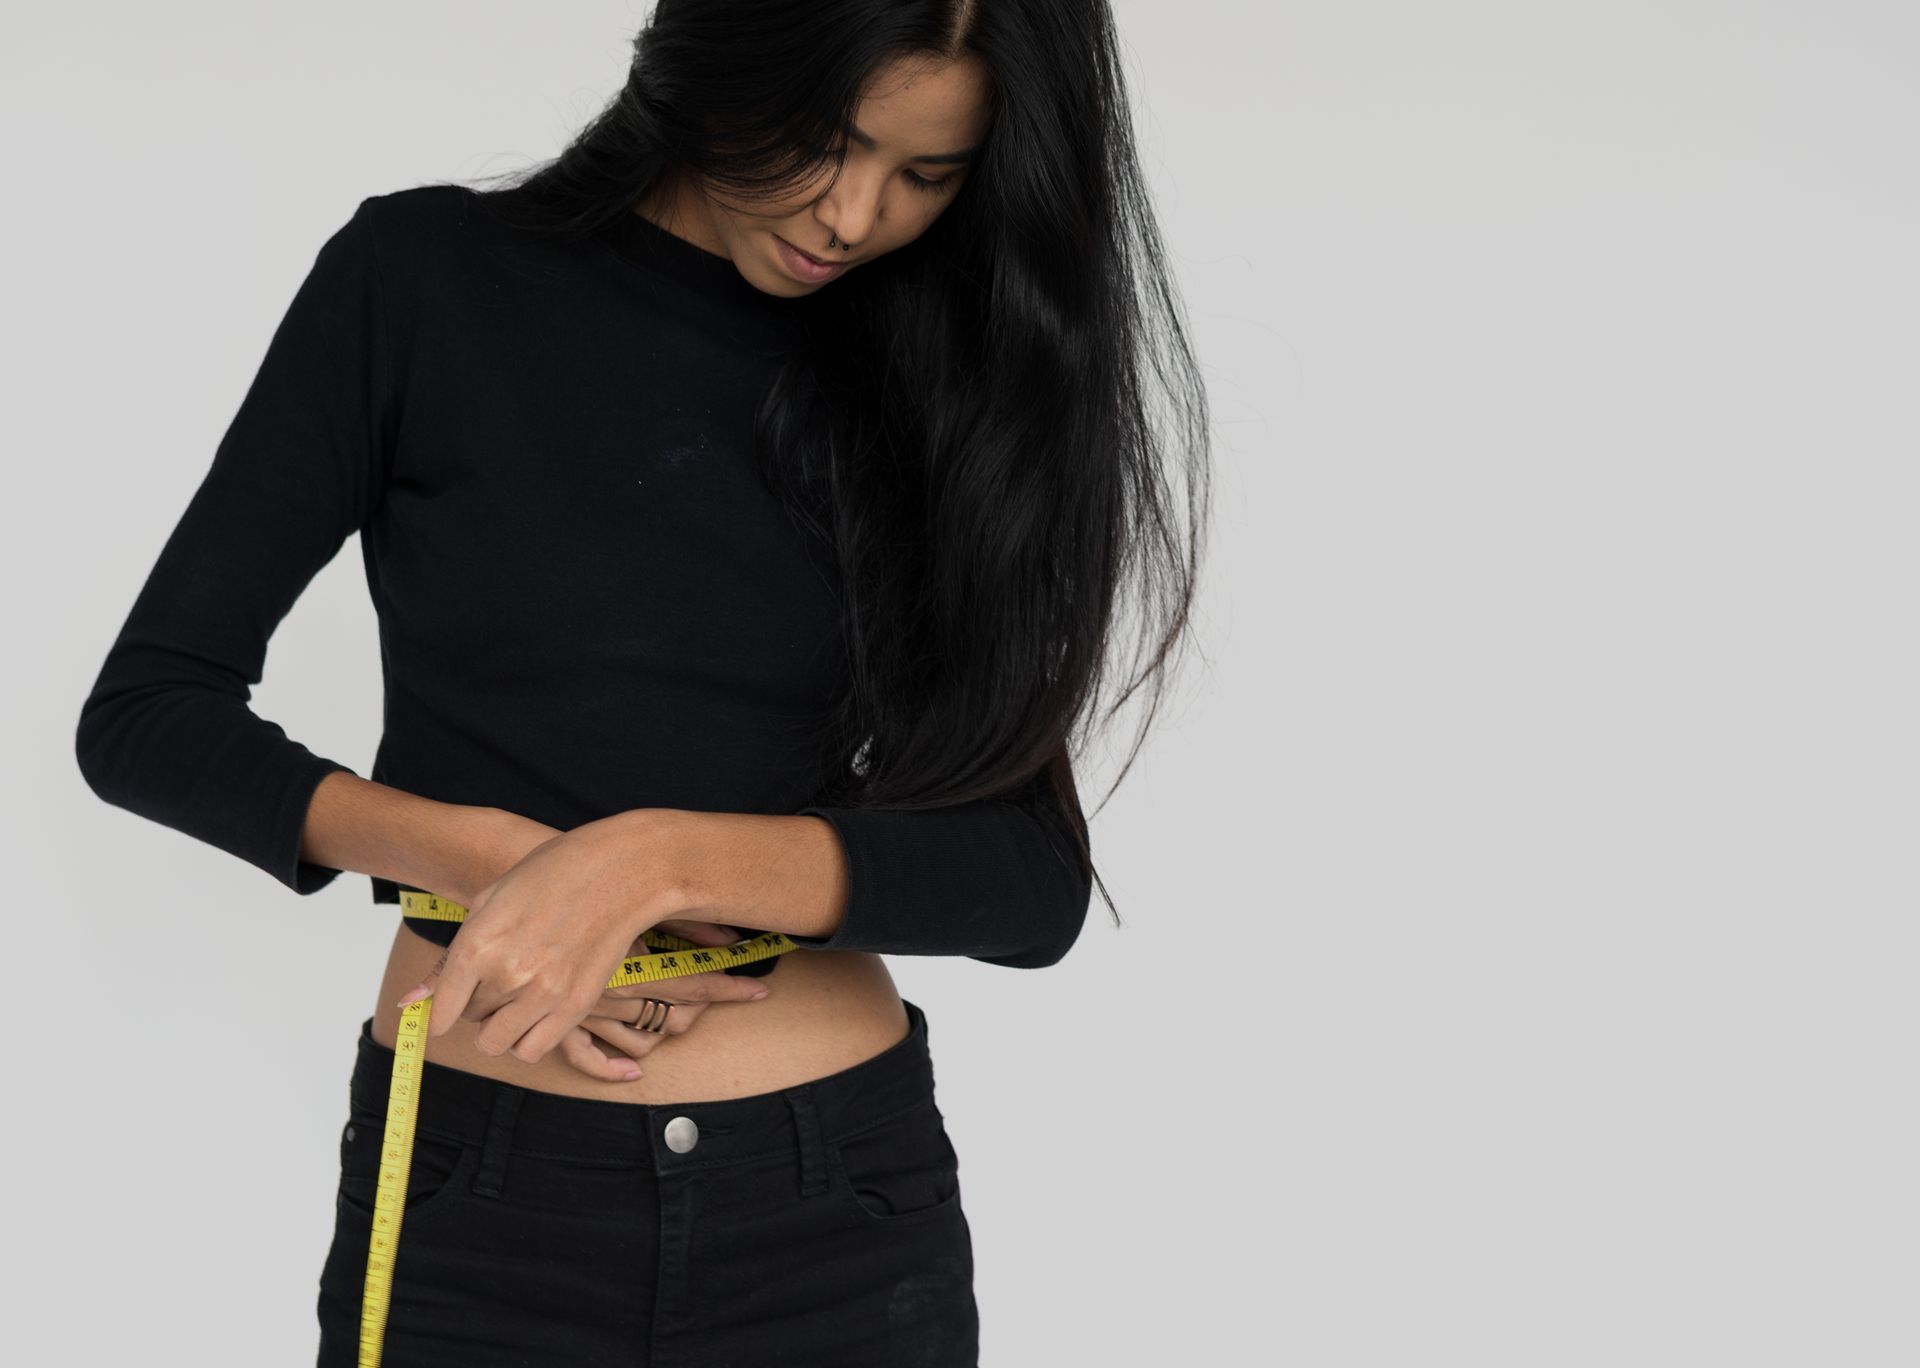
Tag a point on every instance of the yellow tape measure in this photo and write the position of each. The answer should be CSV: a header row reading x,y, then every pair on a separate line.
x,y
677,958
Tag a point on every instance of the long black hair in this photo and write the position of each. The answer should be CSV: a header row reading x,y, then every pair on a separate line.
x,y
1000,428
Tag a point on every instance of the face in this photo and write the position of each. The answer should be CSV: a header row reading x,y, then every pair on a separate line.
x,y
904,162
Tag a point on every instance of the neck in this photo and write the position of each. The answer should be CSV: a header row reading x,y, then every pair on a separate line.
x,y
682,210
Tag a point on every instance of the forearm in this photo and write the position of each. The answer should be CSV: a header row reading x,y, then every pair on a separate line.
x,y
771,873
447,848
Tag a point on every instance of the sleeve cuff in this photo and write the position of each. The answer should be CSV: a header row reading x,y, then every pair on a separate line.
x,y
846,936
302,876
983,880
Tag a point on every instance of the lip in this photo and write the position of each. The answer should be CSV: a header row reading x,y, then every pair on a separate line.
x,y
806,267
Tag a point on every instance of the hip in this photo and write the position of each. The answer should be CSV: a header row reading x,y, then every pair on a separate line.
x,y
816,1224
828,1011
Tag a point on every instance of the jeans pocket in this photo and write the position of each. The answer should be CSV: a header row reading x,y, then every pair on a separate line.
x,y
438,1169
900,1172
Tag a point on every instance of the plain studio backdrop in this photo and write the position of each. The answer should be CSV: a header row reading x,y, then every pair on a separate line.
x,y
1519,897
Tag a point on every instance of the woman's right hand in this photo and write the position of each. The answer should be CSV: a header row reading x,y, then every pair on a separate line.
x,y
510,838
613,1019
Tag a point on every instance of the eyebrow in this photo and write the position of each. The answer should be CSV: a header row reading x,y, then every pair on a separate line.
x,y
867,140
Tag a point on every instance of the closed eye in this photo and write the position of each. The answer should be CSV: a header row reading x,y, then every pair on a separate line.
x,y
929,185
922,183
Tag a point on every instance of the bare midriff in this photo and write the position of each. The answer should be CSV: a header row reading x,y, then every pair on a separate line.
x,y
826,1010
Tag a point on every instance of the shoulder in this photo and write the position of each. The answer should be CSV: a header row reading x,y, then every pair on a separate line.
x,y
439,216
438,247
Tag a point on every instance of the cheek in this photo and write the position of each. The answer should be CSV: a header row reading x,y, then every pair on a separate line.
x,y
914,220
776,214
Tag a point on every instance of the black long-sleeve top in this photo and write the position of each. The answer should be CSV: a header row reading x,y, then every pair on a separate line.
x,y
588,600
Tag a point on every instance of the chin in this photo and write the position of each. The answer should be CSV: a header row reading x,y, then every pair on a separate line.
x,y
778,282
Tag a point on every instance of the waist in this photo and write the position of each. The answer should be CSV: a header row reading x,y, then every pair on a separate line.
x,y
828,1010
463,1107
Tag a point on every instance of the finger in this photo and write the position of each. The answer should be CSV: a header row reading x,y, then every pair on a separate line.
x,y
546,1033
577,1047
483,1004
739,988
714,985
428,984
453,992
505,1028
719,986
638,1041
658,1016
699,932
623,1037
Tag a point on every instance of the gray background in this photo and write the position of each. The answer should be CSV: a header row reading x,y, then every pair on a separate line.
x,y
1535,837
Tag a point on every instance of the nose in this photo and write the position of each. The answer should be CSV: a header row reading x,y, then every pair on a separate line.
x,y
849,209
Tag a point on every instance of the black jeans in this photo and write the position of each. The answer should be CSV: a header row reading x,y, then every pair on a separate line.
x,y
819,1224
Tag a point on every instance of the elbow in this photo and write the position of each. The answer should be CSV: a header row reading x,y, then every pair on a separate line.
x,y
90,749
1069,920
108,736
1071,897
1063,917
1061,913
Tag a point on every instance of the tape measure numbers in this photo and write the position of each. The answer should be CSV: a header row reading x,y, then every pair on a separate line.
x,y
675,957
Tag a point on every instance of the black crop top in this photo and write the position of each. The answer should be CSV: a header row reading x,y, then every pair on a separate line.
x,y
588,600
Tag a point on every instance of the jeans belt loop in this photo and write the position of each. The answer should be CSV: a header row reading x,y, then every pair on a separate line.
x,y
806,1126
499,1142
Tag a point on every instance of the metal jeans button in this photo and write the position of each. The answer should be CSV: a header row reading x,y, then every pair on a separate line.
x,y
682,1134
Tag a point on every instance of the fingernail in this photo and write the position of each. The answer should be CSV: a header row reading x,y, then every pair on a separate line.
x,y
414,994
632,1074
757,996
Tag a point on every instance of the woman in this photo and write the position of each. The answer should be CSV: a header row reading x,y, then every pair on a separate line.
x,y
747,497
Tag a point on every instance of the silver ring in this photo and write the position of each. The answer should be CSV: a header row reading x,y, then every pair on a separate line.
x,y
650,1020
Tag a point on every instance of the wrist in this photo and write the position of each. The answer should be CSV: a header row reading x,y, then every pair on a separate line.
x,y
478,845
655,853
772,872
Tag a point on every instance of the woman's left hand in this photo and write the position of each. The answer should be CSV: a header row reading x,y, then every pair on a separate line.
x,y
533,956
612,1022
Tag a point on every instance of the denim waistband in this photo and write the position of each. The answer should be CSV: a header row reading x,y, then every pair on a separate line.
x,y
464,1106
